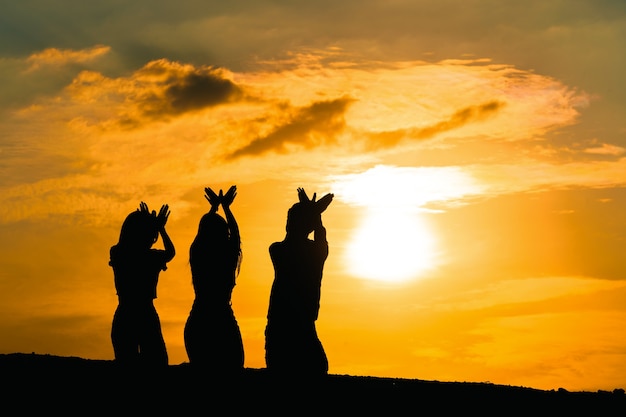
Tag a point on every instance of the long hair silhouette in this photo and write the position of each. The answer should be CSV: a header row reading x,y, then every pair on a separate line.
x,y
212,336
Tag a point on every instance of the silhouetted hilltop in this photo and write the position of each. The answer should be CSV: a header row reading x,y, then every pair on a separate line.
x,y
72,385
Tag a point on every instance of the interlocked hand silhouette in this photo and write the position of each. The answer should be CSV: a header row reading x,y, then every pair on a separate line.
x,y
159,219
224,199
320,205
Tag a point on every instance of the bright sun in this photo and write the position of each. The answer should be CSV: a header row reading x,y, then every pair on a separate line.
x,y
392,247
394,242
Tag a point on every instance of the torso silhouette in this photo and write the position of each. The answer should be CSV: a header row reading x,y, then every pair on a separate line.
x,y
136,273
136,331
298,266
292,344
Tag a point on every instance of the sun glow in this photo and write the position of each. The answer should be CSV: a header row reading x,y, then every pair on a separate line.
x,y
393,246
394,242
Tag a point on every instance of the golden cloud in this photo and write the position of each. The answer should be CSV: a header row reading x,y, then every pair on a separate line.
x,y
308,127
58,57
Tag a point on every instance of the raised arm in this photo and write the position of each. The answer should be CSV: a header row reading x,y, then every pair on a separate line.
x,y
227,200
319,231
168,245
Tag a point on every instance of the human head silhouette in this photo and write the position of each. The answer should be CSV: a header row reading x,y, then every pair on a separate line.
x,y
301,219
139,229
304,216
213,228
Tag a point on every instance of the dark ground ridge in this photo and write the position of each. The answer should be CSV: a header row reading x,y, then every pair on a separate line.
x,y
42,382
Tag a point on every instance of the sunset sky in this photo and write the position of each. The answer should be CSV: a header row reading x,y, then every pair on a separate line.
x,y
476,150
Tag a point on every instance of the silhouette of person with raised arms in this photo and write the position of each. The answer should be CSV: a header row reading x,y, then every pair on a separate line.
x,y
212,336
292,346
136,329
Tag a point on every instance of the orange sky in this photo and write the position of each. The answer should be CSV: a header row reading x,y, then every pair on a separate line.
x,y
478,166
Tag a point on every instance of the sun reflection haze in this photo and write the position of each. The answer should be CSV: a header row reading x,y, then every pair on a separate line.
x,y
394,242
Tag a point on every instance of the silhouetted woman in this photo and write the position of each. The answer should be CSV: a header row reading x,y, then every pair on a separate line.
x,y
291,342
212,335
136,329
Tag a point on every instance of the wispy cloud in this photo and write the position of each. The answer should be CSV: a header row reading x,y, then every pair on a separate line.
x,y
168,88
58,57
405,187
606,149
460,118
529,175
307,127
159,90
